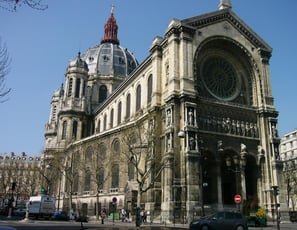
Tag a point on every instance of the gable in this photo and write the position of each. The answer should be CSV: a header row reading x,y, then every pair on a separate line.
x,y
205,20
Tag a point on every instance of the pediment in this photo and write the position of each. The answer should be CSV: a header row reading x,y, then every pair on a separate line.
x,y
229,16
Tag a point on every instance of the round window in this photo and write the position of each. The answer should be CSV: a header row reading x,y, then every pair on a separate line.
x,y
220,78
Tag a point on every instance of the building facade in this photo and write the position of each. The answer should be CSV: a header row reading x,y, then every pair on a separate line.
x,y
199,106
20,178
288,152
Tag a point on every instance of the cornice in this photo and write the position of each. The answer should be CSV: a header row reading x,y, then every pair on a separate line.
x,y
228,15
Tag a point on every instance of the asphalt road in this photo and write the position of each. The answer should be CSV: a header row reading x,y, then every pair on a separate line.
x,y
63,225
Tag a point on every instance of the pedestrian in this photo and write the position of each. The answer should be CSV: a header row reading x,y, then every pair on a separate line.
x,y
103,215
124,213
142,215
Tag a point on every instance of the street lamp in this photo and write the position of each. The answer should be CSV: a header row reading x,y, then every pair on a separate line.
x,y
236,171
10,202
275,190
49,184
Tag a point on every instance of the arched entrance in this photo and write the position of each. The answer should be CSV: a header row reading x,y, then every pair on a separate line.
x,y
239,176
209,181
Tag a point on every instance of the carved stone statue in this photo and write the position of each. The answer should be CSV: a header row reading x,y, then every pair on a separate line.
x,y
192,143
168,117
191,117
242,148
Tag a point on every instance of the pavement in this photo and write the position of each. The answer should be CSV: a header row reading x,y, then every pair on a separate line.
x,y
117,223
270,225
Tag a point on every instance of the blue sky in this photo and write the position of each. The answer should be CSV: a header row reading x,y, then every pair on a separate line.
x,y
41,43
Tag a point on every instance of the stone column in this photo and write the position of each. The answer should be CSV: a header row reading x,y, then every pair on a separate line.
x,y
219,178
242,173
192,181
167,204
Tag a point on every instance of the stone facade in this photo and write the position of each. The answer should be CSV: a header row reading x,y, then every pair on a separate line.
x,y
288,153
205,91
24,172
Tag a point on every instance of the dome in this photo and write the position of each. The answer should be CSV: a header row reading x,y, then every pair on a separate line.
x,y
78,63
109,58
59,92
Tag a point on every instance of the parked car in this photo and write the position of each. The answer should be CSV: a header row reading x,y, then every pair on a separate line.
x,y
60,215
82,219
293,216
223,220
20,212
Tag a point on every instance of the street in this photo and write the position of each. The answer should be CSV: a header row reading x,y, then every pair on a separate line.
x,y
65,225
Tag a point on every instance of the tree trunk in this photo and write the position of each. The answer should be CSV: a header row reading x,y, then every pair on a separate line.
x,y
70,205
138,197
97,206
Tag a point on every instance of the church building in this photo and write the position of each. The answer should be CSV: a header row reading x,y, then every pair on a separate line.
x,y
180,134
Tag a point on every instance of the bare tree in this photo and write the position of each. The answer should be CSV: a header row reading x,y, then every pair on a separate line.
x,y
290,169
95,164
13,5
141,147
65,167
70,170
4,69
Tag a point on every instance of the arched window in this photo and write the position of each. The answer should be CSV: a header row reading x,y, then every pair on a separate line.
x,y
70,87
75,184
89,155
102,152
77,88
120,113
54,113
115,176
111,118
64,130
149,89
104,122
131,170
87,180
74,129
102,93
101,178
128,106
84,88
116,147
99,126
138,97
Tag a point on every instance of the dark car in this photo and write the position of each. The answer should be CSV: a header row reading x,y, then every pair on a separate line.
x,y
60,215
82,219
221,221
20,212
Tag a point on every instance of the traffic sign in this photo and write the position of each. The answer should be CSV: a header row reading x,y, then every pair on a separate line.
x,y
114,200
237,199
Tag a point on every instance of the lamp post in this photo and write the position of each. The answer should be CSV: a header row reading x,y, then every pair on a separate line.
x,y
275,190
237,173
203,184
10,202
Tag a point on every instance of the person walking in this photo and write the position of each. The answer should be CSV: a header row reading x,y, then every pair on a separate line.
x,y
124,213
103,215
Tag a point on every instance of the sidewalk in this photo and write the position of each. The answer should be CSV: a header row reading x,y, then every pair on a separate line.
x,y
270,225
118,223
110,223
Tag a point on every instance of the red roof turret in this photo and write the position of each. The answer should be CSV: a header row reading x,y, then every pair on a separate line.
x,y
111,30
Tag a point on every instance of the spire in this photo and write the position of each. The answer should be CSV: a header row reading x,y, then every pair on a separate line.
x,y
225,4
111,29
